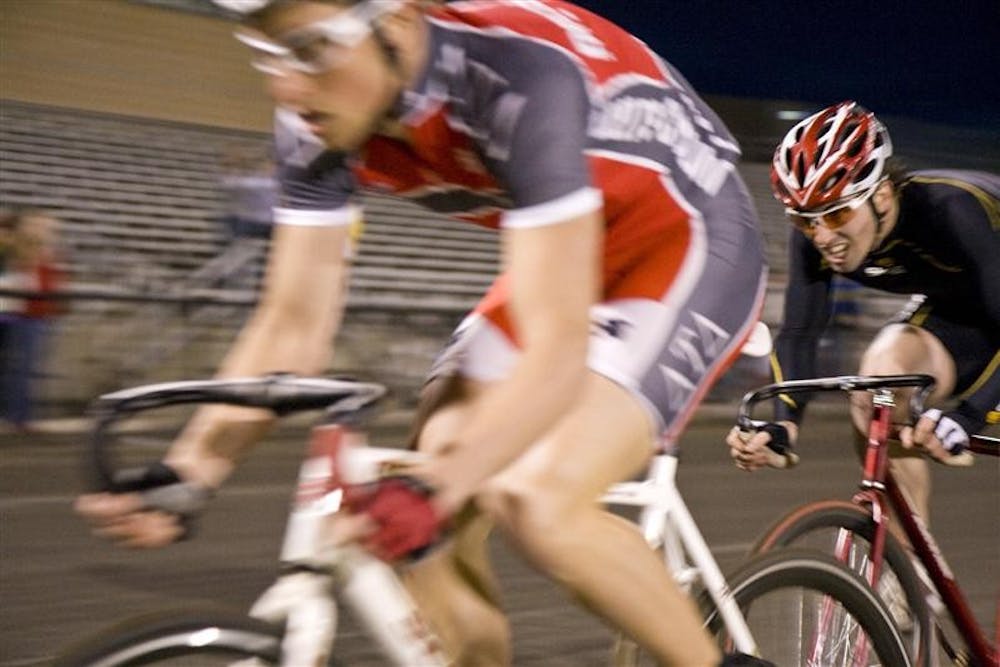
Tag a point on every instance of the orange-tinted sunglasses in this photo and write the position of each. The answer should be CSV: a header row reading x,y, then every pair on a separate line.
x,y
833,219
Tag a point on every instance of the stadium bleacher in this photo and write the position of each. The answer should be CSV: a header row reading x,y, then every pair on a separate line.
x,y
156,273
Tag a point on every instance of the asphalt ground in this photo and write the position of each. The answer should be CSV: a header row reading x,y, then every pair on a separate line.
x,y
58,584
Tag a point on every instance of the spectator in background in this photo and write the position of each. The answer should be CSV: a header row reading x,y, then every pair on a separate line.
x,y
9,305
250,192
30,263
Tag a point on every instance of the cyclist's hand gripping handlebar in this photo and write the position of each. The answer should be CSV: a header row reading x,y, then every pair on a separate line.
x,y
923,384
944,439
763,443
157,486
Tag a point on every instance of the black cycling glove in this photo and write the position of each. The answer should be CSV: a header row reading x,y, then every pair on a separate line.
x,y
161,488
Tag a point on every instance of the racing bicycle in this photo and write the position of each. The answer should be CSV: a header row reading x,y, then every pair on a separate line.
x,y
793,607
916,582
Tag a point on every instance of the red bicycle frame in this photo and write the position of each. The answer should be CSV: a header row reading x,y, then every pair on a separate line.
x,y
880,492
879,486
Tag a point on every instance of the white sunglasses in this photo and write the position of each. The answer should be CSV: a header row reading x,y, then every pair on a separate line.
x,y
833,217
319,46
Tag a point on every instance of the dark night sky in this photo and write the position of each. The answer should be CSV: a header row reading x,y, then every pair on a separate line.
x,y
932,60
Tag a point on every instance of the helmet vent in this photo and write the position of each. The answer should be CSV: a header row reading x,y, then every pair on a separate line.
x,y
832,180
819,153
865,172
846,132
856,147
800,169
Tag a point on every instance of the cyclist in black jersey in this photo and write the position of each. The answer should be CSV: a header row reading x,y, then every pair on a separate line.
x,y
933,234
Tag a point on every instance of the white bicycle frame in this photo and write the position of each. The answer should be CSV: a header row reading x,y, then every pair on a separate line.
x,y
667,525
304,600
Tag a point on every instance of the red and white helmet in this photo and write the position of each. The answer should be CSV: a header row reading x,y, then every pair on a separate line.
x,y
830,159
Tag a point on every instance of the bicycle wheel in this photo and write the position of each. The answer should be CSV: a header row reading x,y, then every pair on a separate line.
x,y
808,609
189,638
820,526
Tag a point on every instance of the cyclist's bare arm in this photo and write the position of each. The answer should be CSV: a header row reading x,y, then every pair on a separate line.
x,y
554,274
291,330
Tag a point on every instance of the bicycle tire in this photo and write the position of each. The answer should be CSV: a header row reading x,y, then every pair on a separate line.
x,y
185,636
810,521
803,574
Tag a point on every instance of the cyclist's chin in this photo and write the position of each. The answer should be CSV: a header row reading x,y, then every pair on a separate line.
x,y
344,139
844,263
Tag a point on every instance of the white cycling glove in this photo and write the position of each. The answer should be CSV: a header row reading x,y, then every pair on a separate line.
x,y
948,430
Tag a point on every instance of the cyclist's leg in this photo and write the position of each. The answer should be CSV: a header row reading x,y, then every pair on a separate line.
x,y
454,585
545,502
905,348
678,309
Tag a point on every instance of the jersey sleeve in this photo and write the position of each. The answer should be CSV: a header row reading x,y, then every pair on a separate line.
x,y
807,311
316,186
531,112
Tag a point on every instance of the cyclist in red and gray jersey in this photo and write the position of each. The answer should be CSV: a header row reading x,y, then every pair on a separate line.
x,y
633,273
934,234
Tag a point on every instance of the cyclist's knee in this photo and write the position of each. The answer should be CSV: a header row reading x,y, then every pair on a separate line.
x,y
900,349
534,515
904,348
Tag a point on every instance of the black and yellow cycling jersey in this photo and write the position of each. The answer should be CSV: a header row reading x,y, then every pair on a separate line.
x,y
945,248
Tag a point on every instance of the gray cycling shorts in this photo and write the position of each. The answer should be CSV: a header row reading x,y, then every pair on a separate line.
x,y
666,352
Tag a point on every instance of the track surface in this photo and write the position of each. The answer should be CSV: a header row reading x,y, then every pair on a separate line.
x,y
58,584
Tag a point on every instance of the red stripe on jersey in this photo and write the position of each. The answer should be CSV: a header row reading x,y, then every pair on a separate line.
x,y
648,239
643,218
435,156
575,29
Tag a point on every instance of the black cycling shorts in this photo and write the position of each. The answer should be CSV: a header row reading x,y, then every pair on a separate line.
x,y
972,344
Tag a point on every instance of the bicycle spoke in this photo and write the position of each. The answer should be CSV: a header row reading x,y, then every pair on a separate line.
x,y
798,626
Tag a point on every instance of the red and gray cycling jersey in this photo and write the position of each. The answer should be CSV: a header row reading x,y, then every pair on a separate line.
x,y
531,113
527,113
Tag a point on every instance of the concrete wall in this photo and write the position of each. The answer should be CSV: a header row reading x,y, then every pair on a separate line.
x,y
117,57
